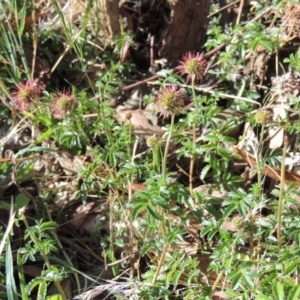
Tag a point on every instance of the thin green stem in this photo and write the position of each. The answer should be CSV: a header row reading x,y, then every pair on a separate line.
x,y
193,156
129,138
21,276
164,173
157,156
281,193
259,168
259,158
164,166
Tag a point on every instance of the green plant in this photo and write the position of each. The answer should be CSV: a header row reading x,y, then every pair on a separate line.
x,y
206,205
39,241
294,61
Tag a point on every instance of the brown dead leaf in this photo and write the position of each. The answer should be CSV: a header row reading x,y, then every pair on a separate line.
x,y
70,165
137,187
276,133
28,20
186,247
140,123
32,270
273,173
66,285
211,191
93,221
220,295
79,216
66,192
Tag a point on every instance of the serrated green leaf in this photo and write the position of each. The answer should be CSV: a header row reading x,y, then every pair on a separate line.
x,y
294,293
44,136
291,267
21,201
211,138
248,281
161,202
212,233
20,263
32,284
136,210
176,278
278,291
215,212
236,280
231,293
228,139
47,226
228,211
42,291
204,172
232,274
25,171
223,152
146,248
205,231
266,44
205,148
154,212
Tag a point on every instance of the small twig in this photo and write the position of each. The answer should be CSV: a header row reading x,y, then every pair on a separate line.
x,y
160,263
223,7
151,50
240,12
210,91
131,86
65,52
34,40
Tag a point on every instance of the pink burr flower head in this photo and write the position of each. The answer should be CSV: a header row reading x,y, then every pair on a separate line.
x,y
25,94
169,100
62,104
193,65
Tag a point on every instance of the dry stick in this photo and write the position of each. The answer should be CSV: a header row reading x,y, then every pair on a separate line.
x,y
151,50
34,41
223,7
240,13
65,52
